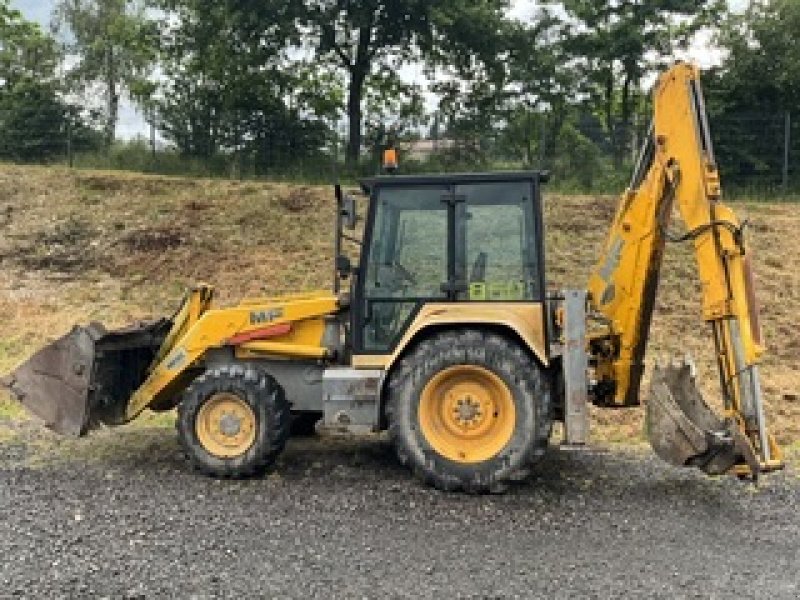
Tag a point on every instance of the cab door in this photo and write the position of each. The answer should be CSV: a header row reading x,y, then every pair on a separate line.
x,y
498,239
406,262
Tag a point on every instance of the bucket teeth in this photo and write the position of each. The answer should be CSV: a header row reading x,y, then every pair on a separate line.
x,y
684,431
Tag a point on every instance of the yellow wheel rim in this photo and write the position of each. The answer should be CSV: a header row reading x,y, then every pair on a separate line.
x,y
226,425
467,414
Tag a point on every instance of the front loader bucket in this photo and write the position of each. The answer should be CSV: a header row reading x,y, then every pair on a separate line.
x,y
684,431
85,379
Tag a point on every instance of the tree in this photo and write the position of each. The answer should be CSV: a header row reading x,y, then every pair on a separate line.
x,y
393,111
512,95
622,40
114,44
371,36
762,66
543,84
751,92
231,85
33,122
25,50
33,118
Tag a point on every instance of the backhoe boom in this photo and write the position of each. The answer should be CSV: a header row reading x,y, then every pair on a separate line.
x,y
677,169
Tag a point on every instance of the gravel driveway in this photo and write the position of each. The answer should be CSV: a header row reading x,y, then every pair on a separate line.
x,y
121,515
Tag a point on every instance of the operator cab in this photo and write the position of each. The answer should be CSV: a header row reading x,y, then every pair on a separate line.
x,y
444,239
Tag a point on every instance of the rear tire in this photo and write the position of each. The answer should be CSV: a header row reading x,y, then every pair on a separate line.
x,y
233,421
469,410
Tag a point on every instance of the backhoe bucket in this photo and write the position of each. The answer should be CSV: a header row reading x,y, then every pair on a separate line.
x,y
684,431
85,379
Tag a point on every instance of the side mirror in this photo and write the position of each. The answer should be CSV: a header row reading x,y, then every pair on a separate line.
x,y
349,214
343,266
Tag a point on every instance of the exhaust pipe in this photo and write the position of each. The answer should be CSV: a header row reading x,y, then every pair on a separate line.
x,y
84,380
684,431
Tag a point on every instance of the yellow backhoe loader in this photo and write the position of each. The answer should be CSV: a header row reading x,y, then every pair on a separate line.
x,y
447,337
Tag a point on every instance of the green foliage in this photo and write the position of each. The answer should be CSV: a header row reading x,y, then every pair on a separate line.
x,y
230,87
580,161
370,41
25,51
473,64
37,126
31,122
543,90
138,155
241,88
763,68
750,94
115,44
33,118
618,42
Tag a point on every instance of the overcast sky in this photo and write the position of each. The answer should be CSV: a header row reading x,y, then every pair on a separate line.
x,y
132,123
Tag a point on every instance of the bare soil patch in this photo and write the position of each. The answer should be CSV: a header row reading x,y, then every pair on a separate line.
x,y
154,239
66,247
298,199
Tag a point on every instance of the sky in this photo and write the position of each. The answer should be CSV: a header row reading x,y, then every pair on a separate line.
x,y
132,123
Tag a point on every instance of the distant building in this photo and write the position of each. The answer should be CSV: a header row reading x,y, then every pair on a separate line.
x,y
421,150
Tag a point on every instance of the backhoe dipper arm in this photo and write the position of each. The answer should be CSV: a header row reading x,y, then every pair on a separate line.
x,y
677,168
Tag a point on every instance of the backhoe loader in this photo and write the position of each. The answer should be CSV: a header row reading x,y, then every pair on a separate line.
x,y
446,335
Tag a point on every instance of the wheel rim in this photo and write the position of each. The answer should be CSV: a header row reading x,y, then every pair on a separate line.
x,y
226,425
467,413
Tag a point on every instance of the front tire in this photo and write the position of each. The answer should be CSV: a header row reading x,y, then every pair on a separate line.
x,y
233,421
469,410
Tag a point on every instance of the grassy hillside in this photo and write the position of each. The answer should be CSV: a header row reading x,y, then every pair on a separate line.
x,y
80,245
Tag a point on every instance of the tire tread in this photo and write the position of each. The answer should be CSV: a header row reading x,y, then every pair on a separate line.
x,y
468,346
265,397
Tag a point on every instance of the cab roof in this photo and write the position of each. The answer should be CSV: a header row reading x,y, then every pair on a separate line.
x,y
450,178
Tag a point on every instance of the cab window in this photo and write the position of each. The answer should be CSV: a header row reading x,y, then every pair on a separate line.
x,y
407,260
499,242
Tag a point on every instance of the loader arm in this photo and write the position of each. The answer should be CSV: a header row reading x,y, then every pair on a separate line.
x,y
677,169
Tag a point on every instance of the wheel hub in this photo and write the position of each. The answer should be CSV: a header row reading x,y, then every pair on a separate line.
x,y
230,424
226,425
467,413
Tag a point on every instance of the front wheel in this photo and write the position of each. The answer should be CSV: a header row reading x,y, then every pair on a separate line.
x,y
468,410
233,421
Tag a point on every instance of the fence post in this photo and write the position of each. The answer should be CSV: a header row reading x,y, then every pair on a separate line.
x,y
237,151
787,140
153,132
70,159
543,141
239,146
335,153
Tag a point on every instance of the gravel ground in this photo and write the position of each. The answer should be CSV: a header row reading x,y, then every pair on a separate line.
x,y
121,515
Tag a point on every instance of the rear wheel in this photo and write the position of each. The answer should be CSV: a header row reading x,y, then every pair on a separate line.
x,y
469,410
233,421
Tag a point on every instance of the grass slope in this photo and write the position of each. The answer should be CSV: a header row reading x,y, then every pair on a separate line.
x,y
77,246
